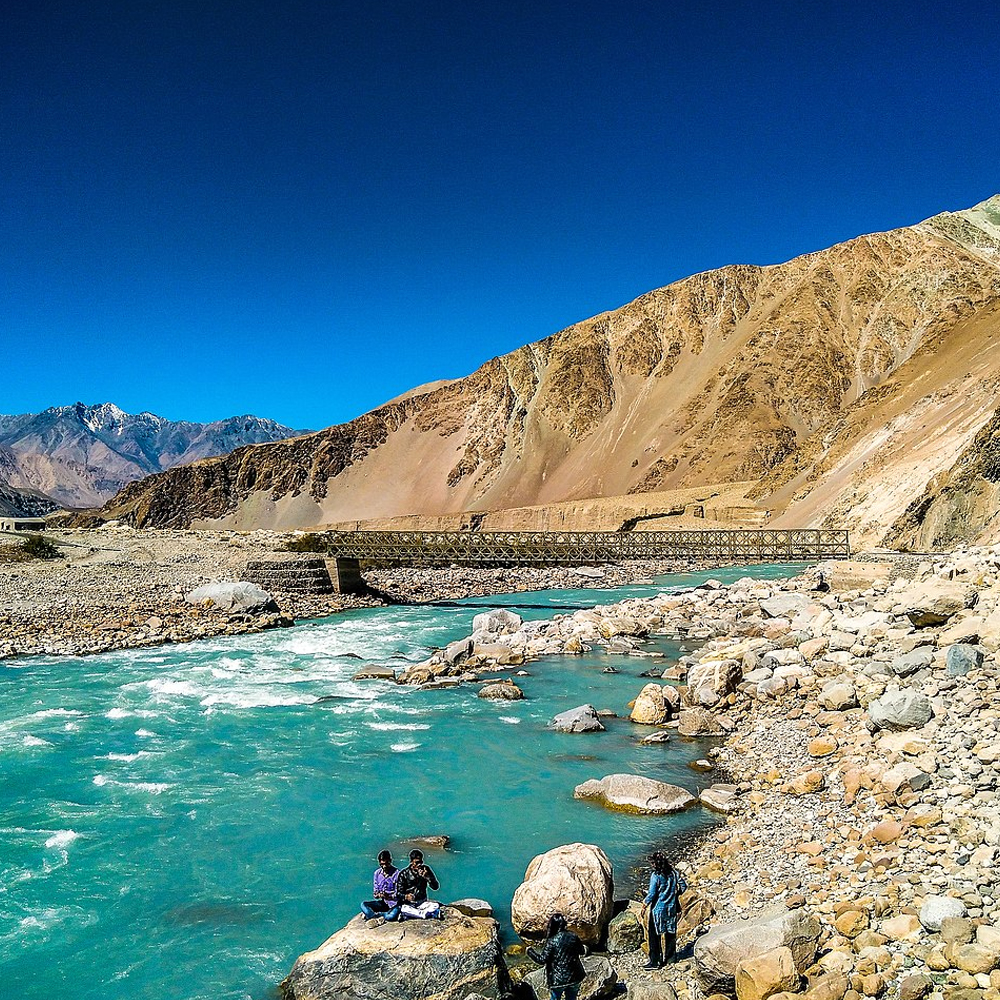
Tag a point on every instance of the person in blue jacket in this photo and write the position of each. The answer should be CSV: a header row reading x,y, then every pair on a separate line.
x,y
661,908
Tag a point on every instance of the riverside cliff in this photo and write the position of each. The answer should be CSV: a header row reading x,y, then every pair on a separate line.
x,y
855,387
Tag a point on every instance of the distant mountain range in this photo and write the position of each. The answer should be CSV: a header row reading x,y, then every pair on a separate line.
x,y
81,456
855,387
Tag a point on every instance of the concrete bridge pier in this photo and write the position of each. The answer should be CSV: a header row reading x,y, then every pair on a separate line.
x,y
345,575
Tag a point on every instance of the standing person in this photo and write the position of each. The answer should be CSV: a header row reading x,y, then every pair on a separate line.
x,y
663,904
384,889
561,957
412,886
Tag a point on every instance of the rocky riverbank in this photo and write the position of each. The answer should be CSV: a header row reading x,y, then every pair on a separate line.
x,y
121,588
858,715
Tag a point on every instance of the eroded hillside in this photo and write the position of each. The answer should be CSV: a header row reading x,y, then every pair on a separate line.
x,y
845,383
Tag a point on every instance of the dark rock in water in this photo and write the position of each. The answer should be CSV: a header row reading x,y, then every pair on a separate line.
x,y
436,841
332,697
652,672
610,670
445,959
582,719
502,691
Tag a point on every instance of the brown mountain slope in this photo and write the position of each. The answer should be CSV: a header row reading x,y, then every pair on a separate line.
x,y
786,375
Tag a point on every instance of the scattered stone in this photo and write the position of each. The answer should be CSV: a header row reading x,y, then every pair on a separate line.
x,y
502,691
901,709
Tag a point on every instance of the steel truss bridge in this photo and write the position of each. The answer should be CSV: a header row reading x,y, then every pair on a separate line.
x,y
576,548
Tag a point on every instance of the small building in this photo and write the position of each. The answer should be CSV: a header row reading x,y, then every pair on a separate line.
x,y
22,523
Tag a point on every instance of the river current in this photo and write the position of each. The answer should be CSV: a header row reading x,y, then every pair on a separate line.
x,y
182,822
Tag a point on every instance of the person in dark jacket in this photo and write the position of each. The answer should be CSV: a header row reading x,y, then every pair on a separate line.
x,y
411,887
561,956
662,908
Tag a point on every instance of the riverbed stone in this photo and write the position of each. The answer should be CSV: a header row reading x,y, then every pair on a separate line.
x,y
582,719
651,707
501,691
764,975
901,708
635,793
961,657
935,909
699,722
718,954
576,880
600,980
444,959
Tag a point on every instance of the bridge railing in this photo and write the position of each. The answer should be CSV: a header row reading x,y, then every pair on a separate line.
x,y
570,548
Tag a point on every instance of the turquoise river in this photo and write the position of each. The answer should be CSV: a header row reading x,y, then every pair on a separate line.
x,y
181,822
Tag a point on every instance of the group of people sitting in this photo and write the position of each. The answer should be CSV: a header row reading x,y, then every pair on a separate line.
x,y
401,893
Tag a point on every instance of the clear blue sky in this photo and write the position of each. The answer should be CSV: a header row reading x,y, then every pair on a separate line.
x,y
301,209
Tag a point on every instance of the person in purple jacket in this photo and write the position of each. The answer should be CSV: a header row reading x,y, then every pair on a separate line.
x,y
385,904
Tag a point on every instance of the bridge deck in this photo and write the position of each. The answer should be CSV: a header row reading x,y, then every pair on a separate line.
x,y
574,548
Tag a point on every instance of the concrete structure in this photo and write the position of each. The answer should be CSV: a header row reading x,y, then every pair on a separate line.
x,y
22,523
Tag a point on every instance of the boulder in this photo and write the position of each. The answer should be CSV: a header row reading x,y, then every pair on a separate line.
x,y
699,722
838,695
935,909
764,975
651,707
718,953
933,602
635,793
375,674
600,980
575,880
900,708
444,959
625,932
457,652
909,663
720,798
785,605
497,622
960,658
583,719
710,681
242,597
501,691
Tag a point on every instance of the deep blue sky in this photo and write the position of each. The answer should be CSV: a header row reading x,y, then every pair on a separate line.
x,y
300,210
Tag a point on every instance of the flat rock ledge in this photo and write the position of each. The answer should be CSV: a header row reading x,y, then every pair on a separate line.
x,y
635,794
445,959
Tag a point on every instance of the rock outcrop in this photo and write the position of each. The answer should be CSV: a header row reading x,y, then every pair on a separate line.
x,y
414,960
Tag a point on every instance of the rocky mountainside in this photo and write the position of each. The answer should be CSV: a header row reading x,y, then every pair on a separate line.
x,y
82,455
855,387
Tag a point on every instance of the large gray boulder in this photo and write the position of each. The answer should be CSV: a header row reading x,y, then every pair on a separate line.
x,y
240,597
583,719
961,657
575,880
635,793
724,947
909,663
600,980
900,708
413,960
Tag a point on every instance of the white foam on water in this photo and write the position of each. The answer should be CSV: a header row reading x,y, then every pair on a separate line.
x,y
101,780
127,757
49,713
403,747
152,787
254,699
397,725
61,839
510,720
145,733
35,741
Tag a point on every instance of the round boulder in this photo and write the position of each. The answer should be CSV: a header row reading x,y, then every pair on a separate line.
x,y
575,880
651,707
501,691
